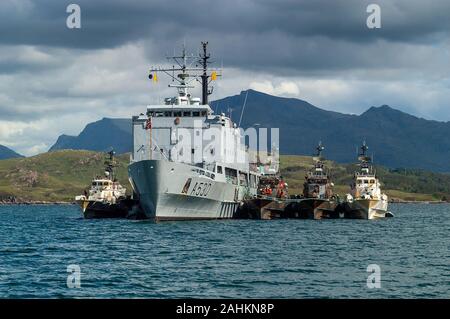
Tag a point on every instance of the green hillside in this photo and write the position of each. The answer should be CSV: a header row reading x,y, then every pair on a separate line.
x,y
54,176
402,184
61,175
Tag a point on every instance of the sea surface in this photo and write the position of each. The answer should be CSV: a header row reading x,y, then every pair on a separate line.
x,y
223,259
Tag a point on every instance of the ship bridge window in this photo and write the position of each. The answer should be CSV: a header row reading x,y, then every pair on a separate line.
x,y
186,113
366,181
158,114
177,113
203,113
372,181
219,169
253,181
168,114
195,114
210,175
231,175
243,179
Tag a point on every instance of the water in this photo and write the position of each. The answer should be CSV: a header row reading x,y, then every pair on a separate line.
x,y
224,259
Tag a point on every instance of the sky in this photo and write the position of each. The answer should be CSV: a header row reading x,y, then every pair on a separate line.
x,y
55,80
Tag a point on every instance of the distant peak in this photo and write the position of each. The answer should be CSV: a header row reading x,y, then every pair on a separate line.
x,y
251,91
383,109
387,108
6,152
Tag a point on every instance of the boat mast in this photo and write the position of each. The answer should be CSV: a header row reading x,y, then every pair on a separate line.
x,y
365,160
110,165
318,156
205,78
319,150
363,157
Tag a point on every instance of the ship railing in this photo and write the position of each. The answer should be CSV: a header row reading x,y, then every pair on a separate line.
x,y
281,199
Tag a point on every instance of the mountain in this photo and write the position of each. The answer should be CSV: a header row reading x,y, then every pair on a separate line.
x,y
99,136
6,153
396,139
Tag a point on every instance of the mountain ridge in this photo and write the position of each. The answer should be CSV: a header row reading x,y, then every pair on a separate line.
x,y
396,138
102,135
7,153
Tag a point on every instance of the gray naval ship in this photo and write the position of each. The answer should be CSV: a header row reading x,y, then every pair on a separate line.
x,y
187,162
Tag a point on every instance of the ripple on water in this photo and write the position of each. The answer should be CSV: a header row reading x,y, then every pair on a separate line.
x,y
223,259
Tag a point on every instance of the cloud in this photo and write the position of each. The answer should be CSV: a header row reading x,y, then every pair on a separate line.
x,y
55,80
288,88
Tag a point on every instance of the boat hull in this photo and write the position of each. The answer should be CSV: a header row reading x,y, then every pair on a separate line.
x,y
93,209
313,208
327,210
174,191
366,209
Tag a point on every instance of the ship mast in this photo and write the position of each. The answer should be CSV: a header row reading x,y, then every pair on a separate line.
x,y
188,72
318,156
364,159
110,164
319,150
205,78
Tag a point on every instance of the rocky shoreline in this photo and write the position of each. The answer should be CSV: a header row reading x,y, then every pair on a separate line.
x,y
13,200
36,203
5,203
401,201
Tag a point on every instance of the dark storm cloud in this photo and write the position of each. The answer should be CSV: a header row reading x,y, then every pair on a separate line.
x,y
277,35
54,80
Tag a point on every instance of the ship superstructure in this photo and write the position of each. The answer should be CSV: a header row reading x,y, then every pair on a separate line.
x,y
366,201
317,200
317,182
106,197
187,162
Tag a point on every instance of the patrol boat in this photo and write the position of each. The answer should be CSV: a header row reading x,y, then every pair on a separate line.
x,y
187,162
366,200
318,201
106,197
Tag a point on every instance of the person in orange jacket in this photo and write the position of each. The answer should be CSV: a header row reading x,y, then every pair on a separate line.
x,y
281,189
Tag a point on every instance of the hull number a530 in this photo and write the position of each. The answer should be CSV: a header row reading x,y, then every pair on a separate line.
x,y
201,189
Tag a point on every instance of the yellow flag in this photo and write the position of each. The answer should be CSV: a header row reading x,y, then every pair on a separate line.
x,y
155,78
214,76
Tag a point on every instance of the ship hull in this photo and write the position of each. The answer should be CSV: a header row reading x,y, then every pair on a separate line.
x,y
313,208
93,209
366,209
174,191
327,210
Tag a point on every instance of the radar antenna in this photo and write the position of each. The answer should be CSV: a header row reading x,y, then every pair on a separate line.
x,y
185,70
318,156
110,164
363,157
